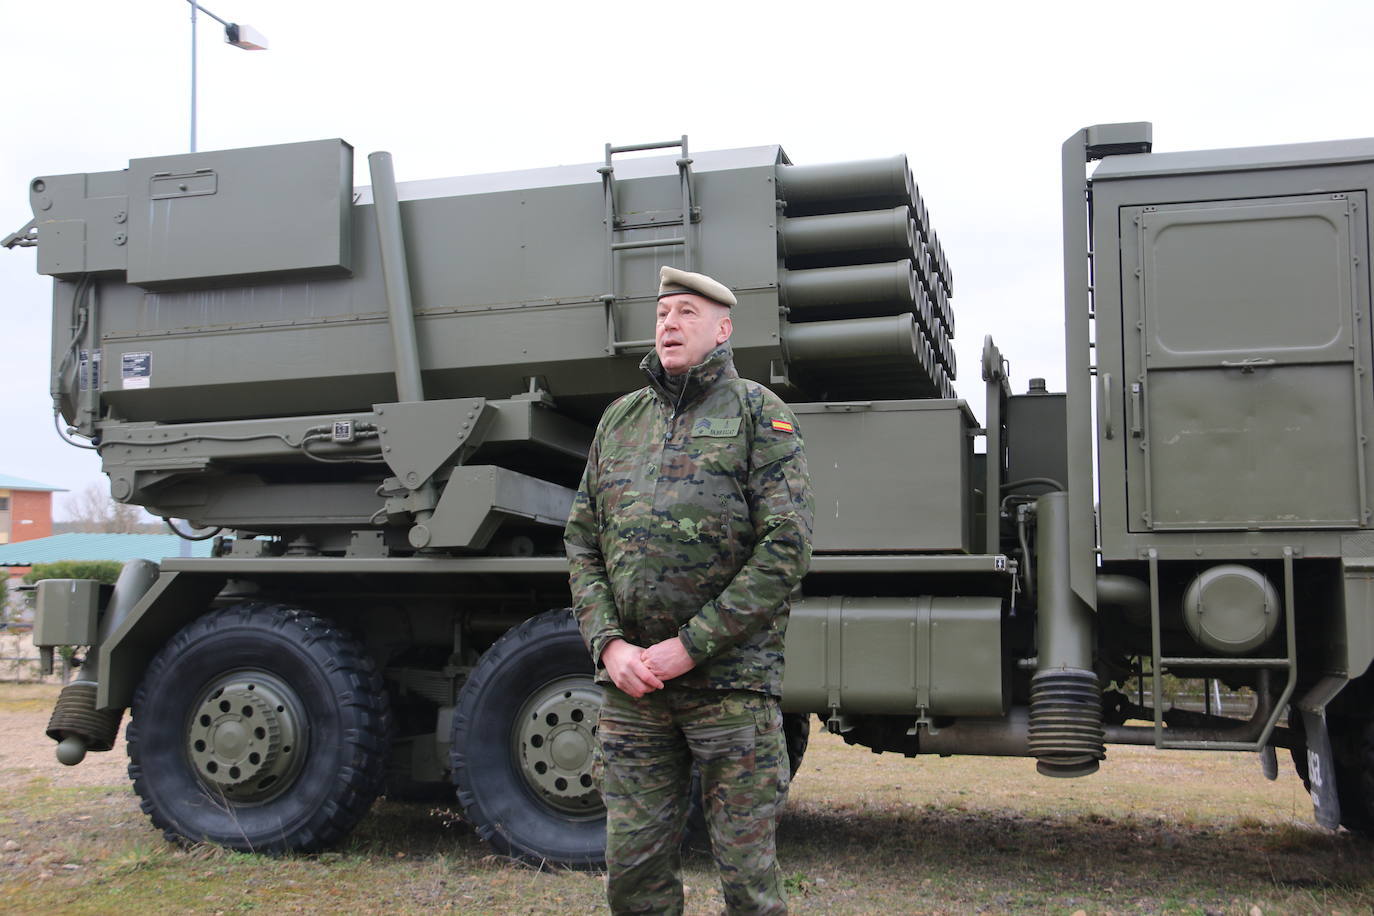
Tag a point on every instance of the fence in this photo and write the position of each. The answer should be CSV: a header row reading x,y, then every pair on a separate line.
x,y
19,659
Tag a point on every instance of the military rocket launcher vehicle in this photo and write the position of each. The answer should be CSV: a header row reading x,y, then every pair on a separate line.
x,y
377,401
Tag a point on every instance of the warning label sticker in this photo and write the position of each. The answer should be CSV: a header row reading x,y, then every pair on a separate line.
x,y
90,369
136,370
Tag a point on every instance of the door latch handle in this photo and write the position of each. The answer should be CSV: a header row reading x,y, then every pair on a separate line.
x,y
1247,365
1137,409
1108,428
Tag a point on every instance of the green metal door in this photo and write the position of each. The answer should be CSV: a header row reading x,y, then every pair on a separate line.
x,y
1246,358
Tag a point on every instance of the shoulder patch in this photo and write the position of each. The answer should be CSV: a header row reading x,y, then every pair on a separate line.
x,y
721,428
783,426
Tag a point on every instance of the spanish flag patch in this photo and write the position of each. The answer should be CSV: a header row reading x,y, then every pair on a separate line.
x,y
783,426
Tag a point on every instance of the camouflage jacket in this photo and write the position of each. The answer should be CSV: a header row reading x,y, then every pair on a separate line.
x,y
694,519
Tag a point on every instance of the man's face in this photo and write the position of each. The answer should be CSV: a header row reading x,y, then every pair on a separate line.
x,y
689,327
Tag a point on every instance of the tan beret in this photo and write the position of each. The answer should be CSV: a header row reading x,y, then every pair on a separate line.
x,y
671,280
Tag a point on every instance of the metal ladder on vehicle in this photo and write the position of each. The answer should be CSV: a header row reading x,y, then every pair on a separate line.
x,y
615,224
1160,663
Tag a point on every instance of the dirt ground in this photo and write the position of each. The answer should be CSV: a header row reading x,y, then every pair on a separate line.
x,y
1157,832
25,750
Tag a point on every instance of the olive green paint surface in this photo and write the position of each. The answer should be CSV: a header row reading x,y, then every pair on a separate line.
x,y
222,323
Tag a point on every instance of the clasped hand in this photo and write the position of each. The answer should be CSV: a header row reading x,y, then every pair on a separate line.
x,y
638,671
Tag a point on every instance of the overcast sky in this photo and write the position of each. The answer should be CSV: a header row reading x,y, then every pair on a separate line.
x,y
978,95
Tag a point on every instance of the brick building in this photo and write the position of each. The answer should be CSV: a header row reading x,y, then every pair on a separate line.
x,y
25,509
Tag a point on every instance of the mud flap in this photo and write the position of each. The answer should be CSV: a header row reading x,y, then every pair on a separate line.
x,y
1321,771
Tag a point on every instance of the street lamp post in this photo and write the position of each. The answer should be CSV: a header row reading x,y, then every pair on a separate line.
x,y
236,34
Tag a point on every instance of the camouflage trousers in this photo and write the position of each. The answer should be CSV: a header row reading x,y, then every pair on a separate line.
x,y
647,749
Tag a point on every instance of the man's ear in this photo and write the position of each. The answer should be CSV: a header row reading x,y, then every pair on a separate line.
x,y
724,330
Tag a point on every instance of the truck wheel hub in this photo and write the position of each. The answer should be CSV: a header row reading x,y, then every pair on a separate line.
x,y
243,735
555,737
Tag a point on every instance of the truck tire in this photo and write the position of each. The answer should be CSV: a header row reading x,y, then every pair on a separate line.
x,y
523,739
797,727
260,728
1352,746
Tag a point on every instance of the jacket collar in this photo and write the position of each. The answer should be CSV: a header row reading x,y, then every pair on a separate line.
x,y
717,367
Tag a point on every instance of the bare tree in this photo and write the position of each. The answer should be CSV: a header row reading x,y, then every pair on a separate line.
x,y
92,510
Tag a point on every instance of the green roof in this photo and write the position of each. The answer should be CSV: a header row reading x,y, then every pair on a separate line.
x,y
121,547
8,482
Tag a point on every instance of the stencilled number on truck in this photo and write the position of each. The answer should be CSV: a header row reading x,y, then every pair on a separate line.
x,y
1314,772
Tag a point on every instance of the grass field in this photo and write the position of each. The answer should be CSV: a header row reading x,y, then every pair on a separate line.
x,y
1153,832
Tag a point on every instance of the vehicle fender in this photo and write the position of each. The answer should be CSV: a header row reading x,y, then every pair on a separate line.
x,y
1355,652
133,631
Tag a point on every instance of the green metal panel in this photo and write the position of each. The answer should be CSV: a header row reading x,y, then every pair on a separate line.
x,y
418,437
67,613
1247,279
83,221
476,499
976,572
1036,437
241,213
172,601
422,436
1243,392
506,274
864,458
1239,262
967,675
268,297
895,656
1274,448
1354,648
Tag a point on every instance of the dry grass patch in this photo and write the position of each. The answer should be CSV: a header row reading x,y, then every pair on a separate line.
x,y
27,696
1153,832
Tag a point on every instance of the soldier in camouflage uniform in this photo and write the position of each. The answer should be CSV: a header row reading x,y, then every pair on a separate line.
x,y
690,530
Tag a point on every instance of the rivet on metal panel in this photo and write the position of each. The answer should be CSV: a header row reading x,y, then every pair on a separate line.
x,y
120,238
120,216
